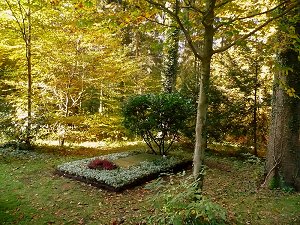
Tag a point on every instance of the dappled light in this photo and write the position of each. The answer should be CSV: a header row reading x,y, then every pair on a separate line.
x,y
149,112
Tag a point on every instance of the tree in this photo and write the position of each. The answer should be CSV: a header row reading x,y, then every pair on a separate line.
x,y
82,69
7,110
84,82
283,158
21,14
215,21
246,77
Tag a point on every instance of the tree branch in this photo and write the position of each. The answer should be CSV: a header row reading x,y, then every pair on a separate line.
x,y
148,143
223,3
192,6
170,145
277,163
21,28
153,138
182,27
159,23
250,16
244,37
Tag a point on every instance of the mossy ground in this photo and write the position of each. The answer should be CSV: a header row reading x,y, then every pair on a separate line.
x,y
31,194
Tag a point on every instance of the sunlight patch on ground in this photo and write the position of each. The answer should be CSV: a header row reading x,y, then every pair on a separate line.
x,y
90,144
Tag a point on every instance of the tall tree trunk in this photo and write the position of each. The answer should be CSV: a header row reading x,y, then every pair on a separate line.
x,y
29,77
201,130
283,157
255,109
137,40
170,70
171,61
101,108
201,138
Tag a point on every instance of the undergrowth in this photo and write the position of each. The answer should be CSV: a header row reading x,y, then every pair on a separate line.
x,y
31,194
184,204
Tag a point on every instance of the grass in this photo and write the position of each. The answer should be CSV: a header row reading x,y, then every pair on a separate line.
x,y
31,194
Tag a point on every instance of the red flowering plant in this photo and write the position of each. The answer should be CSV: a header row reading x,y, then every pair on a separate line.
x,y
99,164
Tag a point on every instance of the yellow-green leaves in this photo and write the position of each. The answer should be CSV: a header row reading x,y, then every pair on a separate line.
x,y
291,92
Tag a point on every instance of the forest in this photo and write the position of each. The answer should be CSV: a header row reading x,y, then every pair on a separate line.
x,y
160,112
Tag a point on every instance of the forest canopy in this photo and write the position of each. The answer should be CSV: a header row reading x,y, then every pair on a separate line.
x,y
86,57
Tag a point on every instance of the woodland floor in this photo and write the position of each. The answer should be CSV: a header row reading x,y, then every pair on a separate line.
x,y
31,194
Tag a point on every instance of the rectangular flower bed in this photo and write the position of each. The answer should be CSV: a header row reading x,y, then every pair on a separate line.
x,y
122,177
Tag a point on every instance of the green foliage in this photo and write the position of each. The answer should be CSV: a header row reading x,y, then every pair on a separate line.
x,y
224,115
278,182
231,94
158,118
249,158
183,204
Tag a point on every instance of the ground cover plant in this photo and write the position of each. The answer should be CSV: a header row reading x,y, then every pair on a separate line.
x,y
119,177
31,194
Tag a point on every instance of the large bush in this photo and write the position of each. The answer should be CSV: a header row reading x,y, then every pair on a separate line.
x,y
158,118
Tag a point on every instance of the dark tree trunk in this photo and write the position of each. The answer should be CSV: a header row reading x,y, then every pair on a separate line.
x,y
283,158
171,61
170,70
29,80
255,110
29,88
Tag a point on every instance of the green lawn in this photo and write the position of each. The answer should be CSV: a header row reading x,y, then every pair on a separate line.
x,y
31,194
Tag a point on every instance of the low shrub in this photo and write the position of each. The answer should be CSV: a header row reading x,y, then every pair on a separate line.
x,y
102,164
183,204
157,118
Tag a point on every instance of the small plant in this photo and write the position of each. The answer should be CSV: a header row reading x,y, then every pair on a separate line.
x,y
249,158
183,204
277,182
99,164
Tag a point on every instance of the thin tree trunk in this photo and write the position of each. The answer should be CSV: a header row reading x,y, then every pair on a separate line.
x,y
201,131
201,139
255,110
62,130
29,78
100,109
137,39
